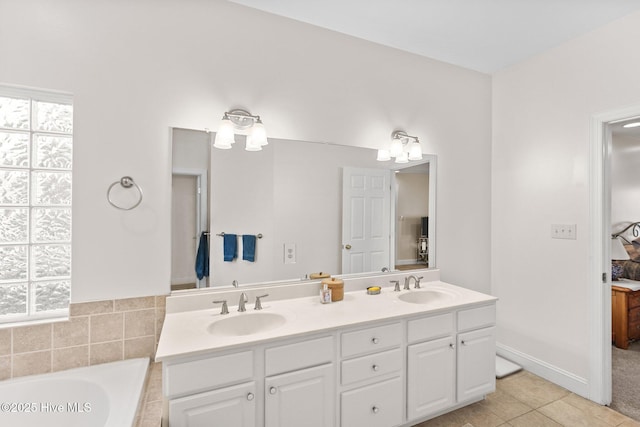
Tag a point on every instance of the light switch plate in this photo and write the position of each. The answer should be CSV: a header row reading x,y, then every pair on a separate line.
x,y
563,231
289,253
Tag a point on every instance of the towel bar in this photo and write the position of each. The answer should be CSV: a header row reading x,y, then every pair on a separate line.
x,y
259,235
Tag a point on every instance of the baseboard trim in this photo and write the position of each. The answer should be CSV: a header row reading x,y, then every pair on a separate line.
x,y
571,382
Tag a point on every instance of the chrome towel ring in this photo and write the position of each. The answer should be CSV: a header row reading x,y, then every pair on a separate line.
x,y
125,182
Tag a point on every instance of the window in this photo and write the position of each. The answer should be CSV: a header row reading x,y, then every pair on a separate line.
x,y
35,204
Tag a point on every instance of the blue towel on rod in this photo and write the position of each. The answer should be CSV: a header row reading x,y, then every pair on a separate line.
x,y
202,257
230,247
249,247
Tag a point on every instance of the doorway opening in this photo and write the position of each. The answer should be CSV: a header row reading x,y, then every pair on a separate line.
x,y
602,227
188,223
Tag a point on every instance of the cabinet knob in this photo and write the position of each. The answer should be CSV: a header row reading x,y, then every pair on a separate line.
x,y
375,368
273,390
250,396
452,346
375,340
463,343
375,409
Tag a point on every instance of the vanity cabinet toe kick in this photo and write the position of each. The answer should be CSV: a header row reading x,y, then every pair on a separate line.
x,y
382,374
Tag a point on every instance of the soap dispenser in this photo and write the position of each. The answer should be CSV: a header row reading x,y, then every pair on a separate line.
x,y
325,294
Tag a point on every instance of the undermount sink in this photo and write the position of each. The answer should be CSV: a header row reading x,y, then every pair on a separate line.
x,y
246,324
426,296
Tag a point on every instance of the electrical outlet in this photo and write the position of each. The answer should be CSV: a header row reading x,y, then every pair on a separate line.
x,y
289,253
563,231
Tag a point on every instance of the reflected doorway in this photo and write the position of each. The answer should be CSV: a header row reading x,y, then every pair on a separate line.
x,y
188,223
412,217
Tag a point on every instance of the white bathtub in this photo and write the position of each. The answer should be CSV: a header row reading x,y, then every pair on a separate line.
x,y
100,395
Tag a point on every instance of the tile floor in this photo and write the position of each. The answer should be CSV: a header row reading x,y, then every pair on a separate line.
x,y
526,400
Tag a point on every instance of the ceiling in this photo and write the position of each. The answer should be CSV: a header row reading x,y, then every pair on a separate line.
x,y
482,35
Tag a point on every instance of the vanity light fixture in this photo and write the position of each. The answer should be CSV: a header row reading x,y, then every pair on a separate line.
x,y
403,148
242,122
631,125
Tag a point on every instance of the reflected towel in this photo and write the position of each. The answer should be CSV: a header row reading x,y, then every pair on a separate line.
x,y
202,257
230,247
249,247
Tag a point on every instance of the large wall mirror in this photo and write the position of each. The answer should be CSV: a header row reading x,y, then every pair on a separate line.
x,y
316,207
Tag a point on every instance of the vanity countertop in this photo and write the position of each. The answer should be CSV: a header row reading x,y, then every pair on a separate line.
x,y
186,333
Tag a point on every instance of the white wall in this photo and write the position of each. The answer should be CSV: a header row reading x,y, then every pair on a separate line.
x,y
136,68
540,161
625,181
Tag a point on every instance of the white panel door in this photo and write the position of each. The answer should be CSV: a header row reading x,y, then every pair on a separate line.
x,y
301,398
431,377
230,407
476,363
366,195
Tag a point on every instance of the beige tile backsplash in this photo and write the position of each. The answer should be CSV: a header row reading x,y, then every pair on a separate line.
x,y
96,332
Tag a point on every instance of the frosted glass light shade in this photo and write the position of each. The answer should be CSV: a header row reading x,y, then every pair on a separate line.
x,y
224,136
383,155
415,152
396,147
403,158
258,134
251,144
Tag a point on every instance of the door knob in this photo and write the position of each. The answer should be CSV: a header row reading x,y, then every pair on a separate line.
x,y
347,246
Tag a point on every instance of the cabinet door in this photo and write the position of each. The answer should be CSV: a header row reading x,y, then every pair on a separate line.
x,y
476,363
230,407
431,377
301,398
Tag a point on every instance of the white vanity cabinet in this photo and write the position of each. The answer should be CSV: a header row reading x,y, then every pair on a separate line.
x,y
372,372
382,363
450,360
271,385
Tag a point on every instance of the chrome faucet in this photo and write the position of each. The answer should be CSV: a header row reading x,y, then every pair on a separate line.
x,y
235,283
242,302
396,288
407,282
224,309
258,305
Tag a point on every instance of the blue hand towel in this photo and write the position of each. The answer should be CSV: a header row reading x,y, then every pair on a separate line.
x,y
249,247
202,257
230,247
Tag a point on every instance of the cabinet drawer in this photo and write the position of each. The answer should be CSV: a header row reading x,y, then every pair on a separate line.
x,y
476,317
634,315
634,300
299,355
371,366
377,405
371,339
430,327
199,375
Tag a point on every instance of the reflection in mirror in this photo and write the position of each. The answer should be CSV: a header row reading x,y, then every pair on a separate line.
x,y
291,193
